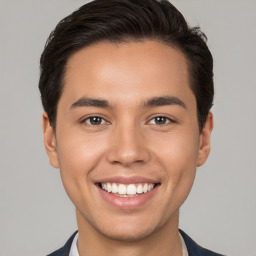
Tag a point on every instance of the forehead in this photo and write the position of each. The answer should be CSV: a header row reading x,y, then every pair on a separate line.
x,y
135,69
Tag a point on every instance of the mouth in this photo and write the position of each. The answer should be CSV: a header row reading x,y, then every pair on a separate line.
x,y
127,190
128,193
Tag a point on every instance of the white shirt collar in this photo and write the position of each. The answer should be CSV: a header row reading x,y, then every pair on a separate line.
x,y
184,247
74,249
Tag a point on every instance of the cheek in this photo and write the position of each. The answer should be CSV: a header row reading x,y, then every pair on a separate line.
x,y
178,151
177,155
79,153
78,156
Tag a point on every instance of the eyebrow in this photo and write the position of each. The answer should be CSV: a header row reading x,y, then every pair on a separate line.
x,y
90,102
151,102
164,101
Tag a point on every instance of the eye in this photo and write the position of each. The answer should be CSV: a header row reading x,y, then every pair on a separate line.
x,y
160,120
94,120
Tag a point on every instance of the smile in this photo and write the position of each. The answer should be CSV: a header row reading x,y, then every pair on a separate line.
x,y
127,190
127,193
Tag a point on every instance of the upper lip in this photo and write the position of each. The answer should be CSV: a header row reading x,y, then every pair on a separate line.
x,y
127,180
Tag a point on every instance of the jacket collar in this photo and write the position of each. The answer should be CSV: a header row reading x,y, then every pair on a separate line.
x,y
193,248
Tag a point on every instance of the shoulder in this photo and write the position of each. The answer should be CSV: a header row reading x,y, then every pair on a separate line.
x,y
194,249
64,251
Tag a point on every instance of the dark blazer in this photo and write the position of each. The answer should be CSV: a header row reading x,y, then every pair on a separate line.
x,y
193,248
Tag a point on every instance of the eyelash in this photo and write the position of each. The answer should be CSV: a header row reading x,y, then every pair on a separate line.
x,y
166,119
90,119
100,119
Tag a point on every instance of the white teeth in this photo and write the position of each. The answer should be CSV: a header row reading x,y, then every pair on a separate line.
x,y
121,189
130,189
150,187
109,187
114,188
139,189
145,188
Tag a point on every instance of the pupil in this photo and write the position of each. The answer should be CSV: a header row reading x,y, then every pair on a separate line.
x,y
95,120
160,120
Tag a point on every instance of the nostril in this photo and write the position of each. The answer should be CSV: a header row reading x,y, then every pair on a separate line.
x,y
128,152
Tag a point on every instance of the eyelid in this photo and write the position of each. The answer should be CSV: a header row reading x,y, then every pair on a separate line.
x,y
169,119
85,118
103,121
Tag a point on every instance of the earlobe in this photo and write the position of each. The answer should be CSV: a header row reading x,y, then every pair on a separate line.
x,y
205,140
50,141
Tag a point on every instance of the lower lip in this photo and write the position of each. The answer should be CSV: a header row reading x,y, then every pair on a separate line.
x,y
128,203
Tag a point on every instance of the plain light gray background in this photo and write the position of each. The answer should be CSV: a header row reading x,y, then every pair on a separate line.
x,y
36,217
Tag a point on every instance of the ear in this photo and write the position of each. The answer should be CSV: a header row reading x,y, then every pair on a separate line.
x,y
205,140
50,141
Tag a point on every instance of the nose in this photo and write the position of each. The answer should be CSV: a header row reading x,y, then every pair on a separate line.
x,y
128,147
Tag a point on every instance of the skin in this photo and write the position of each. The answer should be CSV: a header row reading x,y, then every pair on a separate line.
x,y
127,142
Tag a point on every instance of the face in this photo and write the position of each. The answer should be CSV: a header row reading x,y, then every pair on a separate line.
x,y
127,141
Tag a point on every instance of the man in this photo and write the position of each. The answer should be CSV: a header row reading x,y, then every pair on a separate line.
x,y
127,89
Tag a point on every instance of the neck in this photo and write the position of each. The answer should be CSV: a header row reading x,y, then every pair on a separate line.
x,y
164,241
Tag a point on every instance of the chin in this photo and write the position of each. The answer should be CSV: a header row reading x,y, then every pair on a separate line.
x,y
129,229
129,234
